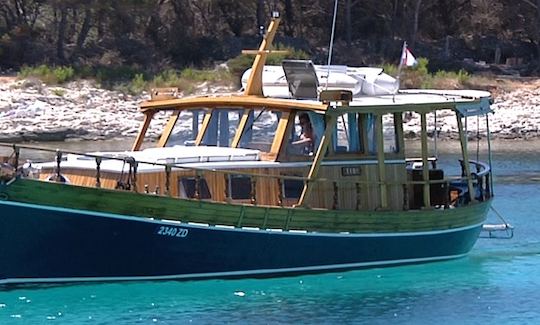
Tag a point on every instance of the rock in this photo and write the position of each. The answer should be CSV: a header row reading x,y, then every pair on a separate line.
x,y
80,110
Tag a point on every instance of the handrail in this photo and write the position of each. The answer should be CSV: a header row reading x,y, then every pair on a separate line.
x,y
236,172
482,168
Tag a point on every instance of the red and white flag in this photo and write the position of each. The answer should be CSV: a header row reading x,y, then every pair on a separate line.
x,y
407,58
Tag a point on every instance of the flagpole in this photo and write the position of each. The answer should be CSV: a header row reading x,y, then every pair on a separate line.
x,y
400,66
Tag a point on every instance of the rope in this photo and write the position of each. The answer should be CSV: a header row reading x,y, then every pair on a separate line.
x,y
505,226
501,217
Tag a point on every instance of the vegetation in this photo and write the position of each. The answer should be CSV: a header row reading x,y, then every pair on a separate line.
x,y
50,75
241,63
420,77
134,81
147,43
150,35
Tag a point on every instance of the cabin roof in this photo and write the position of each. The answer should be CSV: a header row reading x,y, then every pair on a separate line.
x,y
406,100
233,100
420,100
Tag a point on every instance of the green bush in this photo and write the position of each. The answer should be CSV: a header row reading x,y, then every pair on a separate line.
x,y
48,75
108,75
63,74
422,66
461,76
137,84
167,78
197,75
241,63
390,69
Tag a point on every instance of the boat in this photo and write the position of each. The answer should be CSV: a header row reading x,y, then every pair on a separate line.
x,y
232,190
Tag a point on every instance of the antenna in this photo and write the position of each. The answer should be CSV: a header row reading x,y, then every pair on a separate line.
x,y
331,43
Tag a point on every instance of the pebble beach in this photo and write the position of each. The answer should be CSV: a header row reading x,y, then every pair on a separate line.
x,y
32,111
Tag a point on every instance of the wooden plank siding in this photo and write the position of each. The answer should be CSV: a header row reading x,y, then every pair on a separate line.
x,y
366,183
334,191
201,211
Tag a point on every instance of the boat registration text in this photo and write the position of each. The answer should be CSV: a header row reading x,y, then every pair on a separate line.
x,y
172,231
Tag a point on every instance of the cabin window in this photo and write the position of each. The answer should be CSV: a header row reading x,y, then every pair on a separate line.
x,y
240,187
222,127
188,188
306,136
370,133
260,130
292,188
368,124
186,128
389,134
346,136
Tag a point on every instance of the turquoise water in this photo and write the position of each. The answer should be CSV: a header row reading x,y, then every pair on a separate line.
x,y
499,283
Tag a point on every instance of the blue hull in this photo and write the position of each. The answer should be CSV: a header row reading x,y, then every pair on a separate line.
x,y
44,244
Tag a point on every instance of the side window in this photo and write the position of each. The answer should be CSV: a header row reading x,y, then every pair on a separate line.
x,y
240,187
260,130
189,188
186,128
368,122
389,134
292,188
347,134
306,135
222,128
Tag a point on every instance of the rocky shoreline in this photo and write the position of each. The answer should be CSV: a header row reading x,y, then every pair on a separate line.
x,y
32,111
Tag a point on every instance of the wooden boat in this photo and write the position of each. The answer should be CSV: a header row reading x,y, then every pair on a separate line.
x,y
231,190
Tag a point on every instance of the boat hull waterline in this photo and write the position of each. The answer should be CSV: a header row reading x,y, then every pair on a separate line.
x,y
49,244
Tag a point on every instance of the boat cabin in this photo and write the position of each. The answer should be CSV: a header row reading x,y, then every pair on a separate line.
x,y
335,153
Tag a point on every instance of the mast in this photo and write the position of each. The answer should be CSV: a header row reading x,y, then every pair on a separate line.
x,y
254,85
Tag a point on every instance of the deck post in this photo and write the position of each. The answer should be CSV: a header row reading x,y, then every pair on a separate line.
x,y
241,126
58,161
321,151
17,152
168,129
142,131
335,199
204,127
489,181
280,191
98,172
253,194
134,164
197,193
227,188
380,161
168,180
358,196
425,164
465,155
